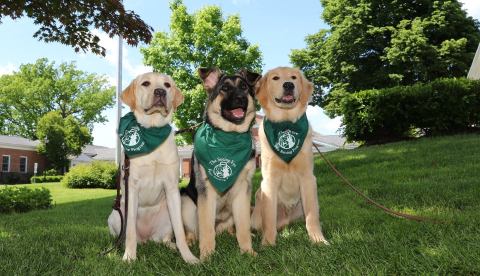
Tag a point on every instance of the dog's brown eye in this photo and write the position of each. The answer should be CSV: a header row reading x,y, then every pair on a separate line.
x,y
167,85
146,83
225,87
242,85
294,77
276,78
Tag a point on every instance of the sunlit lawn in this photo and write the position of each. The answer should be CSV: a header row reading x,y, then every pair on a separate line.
x,y
436,177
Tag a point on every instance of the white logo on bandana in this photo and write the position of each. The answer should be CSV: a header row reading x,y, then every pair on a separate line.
x,y
222,168
286,140
131,137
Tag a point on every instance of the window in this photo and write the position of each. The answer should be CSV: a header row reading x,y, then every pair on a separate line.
x,y
23,164
5,163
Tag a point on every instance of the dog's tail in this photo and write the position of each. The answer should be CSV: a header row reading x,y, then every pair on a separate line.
x,y
191,190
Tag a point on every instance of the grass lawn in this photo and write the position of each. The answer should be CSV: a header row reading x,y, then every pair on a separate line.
x,y
435,177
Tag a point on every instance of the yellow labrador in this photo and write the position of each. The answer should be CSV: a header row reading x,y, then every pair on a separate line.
x,y
154,207
289,189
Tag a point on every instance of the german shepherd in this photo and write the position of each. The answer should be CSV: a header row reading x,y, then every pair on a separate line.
x,y
230,108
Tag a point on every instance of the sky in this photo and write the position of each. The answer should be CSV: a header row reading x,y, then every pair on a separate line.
x,y
282,28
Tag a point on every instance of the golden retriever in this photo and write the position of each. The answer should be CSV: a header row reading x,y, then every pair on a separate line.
x,y
154,206
288,190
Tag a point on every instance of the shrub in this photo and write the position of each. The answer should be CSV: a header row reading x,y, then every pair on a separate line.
x,y
50,172
46,178
98,174
444,106
22,199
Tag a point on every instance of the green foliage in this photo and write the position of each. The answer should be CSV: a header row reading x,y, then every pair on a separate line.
x,y
71,22
22,199
443,106
39,88
373,44
201,39
46,178
98,174
61,137
50,172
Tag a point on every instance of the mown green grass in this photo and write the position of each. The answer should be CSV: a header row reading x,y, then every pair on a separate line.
x,y
435,177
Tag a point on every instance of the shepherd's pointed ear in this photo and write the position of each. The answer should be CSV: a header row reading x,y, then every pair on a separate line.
x,y
209,76
251,77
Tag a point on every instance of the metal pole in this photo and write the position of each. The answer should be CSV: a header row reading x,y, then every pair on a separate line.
x,y
118,154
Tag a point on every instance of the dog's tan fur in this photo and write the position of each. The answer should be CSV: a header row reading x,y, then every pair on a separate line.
x,y
154,200
288,191
218,212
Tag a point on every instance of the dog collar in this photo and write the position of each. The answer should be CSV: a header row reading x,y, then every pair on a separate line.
x,y
137,139
222,154
286,138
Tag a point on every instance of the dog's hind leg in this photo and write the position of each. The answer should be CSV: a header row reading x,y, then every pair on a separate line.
x,y
114,223
256,218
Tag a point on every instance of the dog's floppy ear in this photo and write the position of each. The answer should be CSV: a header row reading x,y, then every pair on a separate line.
x,y
307,89
128,95
251,77
177,98
210,77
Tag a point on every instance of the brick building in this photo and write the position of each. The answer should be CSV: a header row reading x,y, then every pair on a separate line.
x,y
18,156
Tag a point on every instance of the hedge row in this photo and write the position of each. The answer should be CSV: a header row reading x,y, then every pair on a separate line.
x,y
46,178
98,174
22,199
444,106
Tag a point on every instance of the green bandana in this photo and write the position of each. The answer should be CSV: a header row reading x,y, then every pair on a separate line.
x,y
222,154
137,139
286,138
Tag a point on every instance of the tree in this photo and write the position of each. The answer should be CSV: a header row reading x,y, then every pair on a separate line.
x,y
70,22
378,44
201,39
61,137
36,89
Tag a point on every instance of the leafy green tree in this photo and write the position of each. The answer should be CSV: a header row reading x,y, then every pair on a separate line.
x,y
71,22
201,39
379,43
61,138
36,89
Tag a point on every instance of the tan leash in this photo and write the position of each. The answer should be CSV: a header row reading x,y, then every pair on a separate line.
x,y
371,201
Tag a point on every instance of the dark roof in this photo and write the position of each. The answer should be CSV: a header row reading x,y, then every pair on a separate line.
x,y
17,141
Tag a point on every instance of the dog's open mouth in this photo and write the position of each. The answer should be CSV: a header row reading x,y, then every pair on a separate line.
x,y
287,99
234,115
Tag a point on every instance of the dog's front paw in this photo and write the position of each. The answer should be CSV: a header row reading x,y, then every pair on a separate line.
x,y
205,253
268,242
191,259
249,251
318,238
129,257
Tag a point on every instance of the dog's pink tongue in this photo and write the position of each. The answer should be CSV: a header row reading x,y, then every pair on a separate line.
x,y
237,113
287,98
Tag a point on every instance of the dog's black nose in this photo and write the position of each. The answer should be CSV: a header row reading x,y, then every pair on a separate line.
x,y
239,99
159,92
288,85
